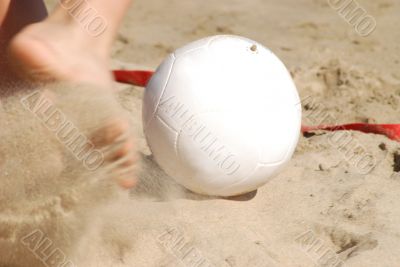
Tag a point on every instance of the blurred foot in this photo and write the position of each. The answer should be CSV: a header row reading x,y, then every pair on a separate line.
x,y
118,148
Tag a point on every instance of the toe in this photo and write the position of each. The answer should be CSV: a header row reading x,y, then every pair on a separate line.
x,y
128,183
110,133
125,171
123,151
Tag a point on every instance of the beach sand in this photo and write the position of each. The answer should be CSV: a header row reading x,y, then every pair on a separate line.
x,y
337,202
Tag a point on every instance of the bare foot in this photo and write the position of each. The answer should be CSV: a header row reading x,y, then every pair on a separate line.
x,y
55,51
50,50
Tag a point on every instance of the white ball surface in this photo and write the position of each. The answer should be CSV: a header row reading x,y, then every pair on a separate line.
x,y
222,115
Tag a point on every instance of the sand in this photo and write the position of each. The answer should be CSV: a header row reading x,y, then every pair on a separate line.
x,y
52,176
336,204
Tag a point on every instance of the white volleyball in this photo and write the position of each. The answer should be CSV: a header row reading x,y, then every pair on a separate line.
x,y
222,115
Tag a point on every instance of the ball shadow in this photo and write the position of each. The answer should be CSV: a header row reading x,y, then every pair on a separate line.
x,y
154,184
